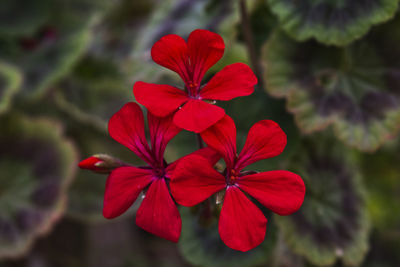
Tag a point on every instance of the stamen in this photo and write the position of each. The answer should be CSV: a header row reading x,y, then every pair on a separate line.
x,y
232,177
193,84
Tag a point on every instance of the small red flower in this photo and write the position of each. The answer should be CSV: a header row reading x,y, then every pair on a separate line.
x,y
191,60
158,213
242,225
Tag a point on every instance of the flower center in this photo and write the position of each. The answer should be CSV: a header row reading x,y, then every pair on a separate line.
x,y
193,89
159,172
231,177
192,85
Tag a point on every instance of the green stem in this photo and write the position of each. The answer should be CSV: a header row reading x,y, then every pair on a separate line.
x,y
199,141
347,59
251,48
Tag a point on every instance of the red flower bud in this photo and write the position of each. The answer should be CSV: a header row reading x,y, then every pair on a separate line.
x,y
100,163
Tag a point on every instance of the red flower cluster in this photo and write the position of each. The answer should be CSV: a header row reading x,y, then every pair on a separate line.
x,y
192,179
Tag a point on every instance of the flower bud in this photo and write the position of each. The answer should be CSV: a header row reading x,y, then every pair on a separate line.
x,y
100,163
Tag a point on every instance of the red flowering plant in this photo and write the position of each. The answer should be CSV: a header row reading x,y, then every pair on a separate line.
x,y
192,179
191,60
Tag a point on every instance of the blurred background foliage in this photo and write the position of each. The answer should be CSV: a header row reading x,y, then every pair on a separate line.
x,y
329,74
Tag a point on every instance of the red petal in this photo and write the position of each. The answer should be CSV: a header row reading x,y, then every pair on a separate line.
x,y
265,140
123,186
158,213
194,180
242,225
162,130
222,137
171,52
127,127
280,191
208,153
205,49
232,81
197,115
161,100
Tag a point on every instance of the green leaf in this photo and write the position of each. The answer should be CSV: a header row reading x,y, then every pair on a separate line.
x,y
201,245
43,68
114,37
10,80
352,88
381,171
18,17
262,23
333,222
37,165
93,92
331,22
49,51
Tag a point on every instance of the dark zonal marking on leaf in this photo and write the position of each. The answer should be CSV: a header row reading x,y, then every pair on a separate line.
x,y
372,105
340,231
8,233
27,219
45,164
46,194
45,161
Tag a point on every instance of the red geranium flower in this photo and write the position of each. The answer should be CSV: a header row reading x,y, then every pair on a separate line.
x,y
191,60
157,213
242,225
